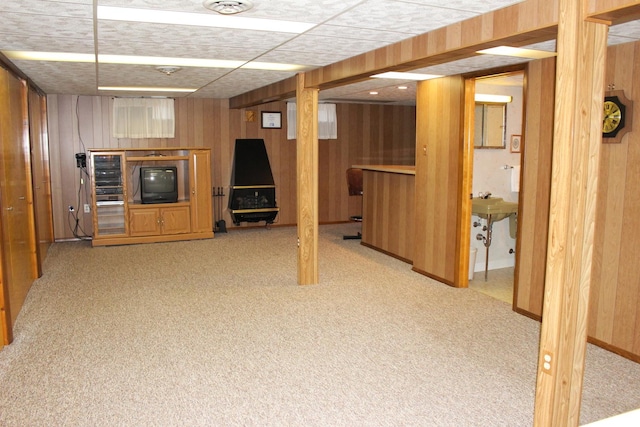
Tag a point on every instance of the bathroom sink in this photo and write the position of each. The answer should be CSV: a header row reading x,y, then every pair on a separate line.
x,y
494,206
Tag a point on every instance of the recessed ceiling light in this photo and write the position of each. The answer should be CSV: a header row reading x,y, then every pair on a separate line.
x,y
517,52
228,7
403,87
145,89
200,20
405,76
373,92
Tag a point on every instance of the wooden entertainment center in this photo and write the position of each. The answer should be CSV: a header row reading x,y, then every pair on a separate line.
x,y
120,217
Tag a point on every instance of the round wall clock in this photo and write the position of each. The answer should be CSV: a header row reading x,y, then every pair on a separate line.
x,y
616,120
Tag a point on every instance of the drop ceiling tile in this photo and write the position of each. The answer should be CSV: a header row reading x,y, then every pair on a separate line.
x,y
340,46
10,41
147,75
312,11
311,59
628,30
175,49
161,34
228,85
340,32
61,77
47,26
467,5
70,9
400,16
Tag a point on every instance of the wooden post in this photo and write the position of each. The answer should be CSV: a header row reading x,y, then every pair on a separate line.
x,y
581,49
307,182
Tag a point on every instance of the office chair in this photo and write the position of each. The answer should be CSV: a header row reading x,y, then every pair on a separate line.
x,y
354,184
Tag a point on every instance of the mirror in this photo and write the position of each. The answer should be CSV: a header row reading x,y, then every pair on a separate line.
x,y
490,125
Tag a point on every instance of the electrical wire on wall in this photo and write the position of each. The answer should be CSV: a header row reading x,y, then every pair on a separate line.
x,y
82,197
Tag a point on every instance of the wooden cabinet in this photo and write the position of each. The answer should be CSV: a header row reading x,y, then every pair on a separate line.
x,y
151,220
119,216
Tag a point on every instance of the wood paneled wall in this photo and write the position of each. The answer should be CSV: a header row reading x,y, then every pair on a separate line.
x,y
439,144
533,216
614,310
367,134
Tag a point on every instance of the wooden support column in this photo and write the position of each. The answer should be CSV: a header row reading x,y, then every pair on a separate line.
x,y
307,182
577,139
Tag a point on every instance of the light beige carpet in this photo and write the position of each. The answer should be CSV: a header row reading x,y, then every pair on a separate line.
x,y
218,333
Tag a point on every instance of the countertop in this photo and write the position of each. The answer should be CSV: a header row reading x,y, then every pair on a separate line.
x,y
401,169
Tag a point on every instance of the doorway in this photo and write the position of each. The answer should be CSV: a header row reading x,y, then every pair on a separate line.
x,y
498,124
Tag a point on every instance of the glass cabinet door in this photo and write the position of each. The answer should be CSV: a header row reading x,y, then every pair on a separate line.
x,y
109,194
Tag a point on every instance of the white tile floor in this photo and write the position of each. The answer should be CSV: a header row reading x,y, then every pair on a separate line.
x,y
499,284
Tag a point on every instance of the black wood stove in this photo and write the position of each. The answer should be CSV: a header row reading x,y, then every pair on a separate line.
x,y
253,192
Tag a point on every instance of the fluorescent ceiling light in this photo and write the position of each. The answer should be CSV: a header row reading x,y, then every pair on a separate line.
x,y
146,89
49,56
518,52
405,76
483,97
149,60
179,62
200,20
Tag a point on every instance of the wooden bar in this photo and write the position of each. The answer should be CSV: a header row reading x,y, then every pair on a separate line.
x,y
388,209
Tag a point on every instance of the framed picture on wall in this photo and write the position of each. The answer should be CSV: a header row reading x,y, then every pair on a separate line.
x,y
271,120
516,142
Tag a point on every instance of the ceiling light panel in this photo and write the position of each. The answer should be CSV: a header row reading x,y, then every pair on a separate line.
x,y
517,52
200,20
406,76
146,89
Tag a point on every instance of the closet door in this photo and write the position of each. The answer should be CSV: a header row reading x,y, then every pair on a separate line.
x,y
17,219
41,174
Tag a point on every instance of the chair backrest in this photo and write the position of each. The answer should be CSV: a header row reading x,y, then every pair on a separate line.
x,y
354,181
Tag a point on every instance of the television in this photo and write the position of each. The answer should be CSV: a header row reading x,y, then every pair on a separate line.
x,y
159,184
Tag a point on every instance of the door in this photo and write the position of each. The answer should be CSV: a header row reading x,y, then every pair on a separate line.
x,y
201,216
18,249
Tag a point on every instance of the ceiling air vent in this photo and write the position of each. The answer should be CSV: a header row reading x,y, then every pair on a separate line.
x,y
228,7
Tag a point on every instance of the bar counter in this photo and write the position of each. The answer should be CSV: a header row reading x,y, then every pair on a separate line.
x,y
388,209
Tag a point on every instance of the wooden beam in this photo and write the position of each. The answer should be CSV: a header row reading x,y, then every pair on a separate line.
x,y
517,25
279,91
577,140
307,180
613,11
520,24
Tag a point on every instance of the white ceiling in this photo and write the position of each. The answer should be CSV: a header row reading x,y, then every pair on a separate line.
x,y
343,28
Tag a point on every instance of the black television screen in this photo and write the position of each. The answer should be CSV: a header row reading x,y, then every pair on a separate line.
x,y
159,184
